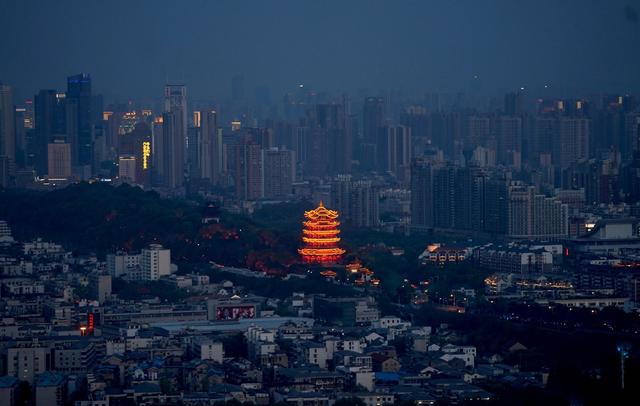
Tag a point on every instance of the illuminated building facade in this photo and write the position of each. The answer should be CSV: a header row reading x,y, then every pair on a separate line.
x,y
320,236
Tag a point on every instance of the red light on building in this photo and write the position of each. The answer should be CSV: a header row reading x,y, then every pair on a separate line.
x,y
90,322
320,236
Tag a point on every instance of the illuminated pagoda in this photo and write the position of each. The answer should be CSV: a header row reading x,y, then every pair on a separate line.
x,y
320,236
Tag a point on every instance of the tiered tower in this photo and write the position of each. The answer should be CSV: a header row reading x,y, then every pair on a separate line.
x,y
320,236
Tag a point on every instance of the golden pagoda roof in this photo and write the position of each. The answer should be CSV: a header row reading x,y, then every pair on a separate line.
x,y
320,212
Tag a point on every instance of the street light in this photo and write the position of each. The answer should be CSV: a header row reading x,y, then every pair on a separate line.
x,y
623,349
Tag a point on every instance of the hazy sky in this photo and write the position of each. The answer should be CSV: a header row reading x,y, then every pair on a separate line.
x,y
130,47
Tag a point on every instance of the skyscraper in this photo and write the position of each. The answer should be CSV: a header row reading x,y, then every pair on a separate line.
x,y
394,150
278,172
373,118
172,159
358,200
572,143
80,118
248,170
210,147
50,124
7,135
175,134
421,194
509,135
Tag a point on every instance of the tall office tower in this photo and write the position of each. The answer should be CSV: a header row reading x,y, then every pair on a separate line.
x,y
335,120
469,204
394,151
193,154
545,135
50,124
317,154
509,136
572,143
340,196
421,194
210,147
21,136
513,103
364,204
477,131
157,151
416,118
175,103
80,118
373,118
496,213
59,160
7,135
137,143
444,196
173,146
357,200
248,170
279,172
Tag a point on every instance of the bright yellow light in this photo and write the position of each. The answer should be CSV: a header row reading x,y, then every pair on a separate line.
x,y
146,153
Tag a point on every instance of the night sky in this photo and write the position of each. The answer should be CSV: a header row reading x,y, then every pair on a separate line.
x,y
132,47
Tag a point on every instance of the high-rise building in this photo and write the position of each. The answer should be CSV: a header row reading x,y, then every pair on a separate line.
x,y
248,170
50,124
496,219
335,120
172,154
444,196
80,118
137,143
175,130
477,131
513,103
373,118
155,261
278,172
532,215
358,201
545,134
509,138
210,147
7,135
572,143
421,194
59,160
394,151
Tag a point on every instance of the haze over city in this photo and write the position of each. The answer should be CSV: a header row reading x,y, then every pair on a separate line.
x,y
319,203
132,47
